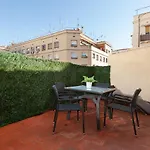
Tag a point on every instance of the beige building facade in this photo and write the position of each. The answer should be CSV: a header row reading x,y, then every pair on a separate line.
x,y
141,30
65,46
2,48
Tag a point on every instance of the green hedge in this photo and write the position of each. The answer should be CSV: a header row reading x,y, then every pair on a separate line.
x,y
25,84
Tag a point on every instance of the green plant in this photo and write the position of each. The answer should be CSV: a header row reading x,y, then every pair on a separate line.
x,y
89,79
25,84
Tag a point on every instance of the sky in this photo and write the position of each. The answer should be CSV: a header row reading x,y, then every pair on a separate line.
x,y
109,20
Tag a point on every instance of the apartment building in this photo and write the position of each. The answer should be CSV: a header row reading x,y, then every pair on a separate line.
x,y
69,45
2,48
120,50
141,30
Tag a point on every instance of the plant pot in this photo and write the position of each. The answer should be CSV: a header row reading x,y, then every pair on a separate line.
x,y
88,85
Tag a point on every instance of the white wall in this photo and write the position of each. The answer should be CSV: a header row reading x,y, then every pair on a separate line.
x,y
98,52
131,70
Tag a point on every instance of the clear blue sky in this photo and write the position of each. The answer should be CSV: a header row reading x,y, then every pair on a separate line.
x,y
23,20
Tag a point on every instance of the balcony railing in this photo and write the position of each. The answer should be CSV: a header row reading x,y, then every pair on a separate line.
x,y
145,37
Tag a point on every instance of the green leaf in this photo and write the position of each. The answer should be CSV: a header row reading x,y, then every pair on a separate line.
x,y
25,83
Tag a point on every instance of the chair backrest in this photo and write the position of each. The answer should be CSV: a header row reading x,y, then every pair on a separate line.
x,y
60,86
135,97
56,92
102,85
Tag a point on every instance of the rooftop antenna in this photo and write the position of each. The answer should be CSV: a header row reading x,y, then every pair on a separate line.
x,y
137,10
78,23
62,25
53,29
49,29
82,28
90,34
94,36
66,24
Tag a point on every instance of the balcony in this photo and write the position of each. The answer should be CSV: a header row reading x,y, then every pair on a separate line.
x,y
145,37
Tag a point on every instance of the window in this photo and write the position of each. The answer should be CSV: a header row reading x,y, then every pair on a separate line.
x,y
84,55
93,55
106,60
100,58
28,51
74,43
43,47
32,50
37,49
19,51
23,51
96,57
147,29
74,55
56,44
49,57
103,59
50,46
56,57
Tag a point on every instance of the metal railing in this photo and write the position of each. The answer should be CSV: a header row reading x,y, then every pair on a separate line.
x,y
145,37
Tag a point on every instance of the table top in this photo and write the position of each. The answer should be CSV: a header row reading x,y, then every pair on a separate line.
x,y
93,90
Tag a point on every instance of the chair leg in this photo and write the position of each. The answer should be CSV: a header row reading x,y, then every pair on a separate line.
x,y
54,116
85,105
105,112
77,115
83,126
55,120
110,113
68,115
133,123
137,119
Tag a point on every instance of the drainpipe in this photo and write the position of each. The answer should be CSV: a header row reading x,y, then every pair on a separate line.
x,y
139,24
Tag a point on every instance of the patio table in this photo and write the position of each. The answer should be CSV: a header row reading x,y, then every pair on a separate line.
x,y
95,93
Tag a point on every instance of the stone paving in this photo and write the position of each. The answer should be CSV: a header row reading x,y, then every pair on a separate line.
x,y
36,133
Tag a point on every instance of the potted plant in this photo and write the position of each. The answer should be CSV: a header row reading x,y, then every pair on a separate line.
x,y
88,81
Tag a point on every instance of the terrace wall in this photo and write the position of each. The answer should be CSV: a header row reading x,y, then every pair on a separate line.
x,y
131,70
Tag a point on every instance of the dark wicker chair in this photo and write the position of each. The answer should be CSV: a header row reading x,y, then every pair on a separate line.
x,y
64,103
61,89
124,103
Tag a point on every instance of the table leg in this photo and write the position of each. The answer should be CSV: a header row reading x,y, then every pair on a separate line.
x,y
97,102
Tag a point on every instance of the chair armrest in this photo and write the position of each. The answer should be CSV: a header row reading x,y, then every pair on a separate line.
x,y
67,93
111,86
69,98
120,99
128,98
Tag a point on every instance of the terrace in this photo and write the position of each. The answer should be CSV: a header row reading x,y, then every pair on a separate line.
x,y
35,133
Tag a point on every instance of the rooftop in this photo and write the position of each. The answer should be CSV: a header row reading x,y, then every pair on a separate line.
x,y
36,133
48,35
104,42
2,47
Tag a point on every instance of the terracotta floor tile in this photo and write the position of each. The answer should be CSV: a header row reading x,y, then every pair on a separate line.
x,y
36,133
